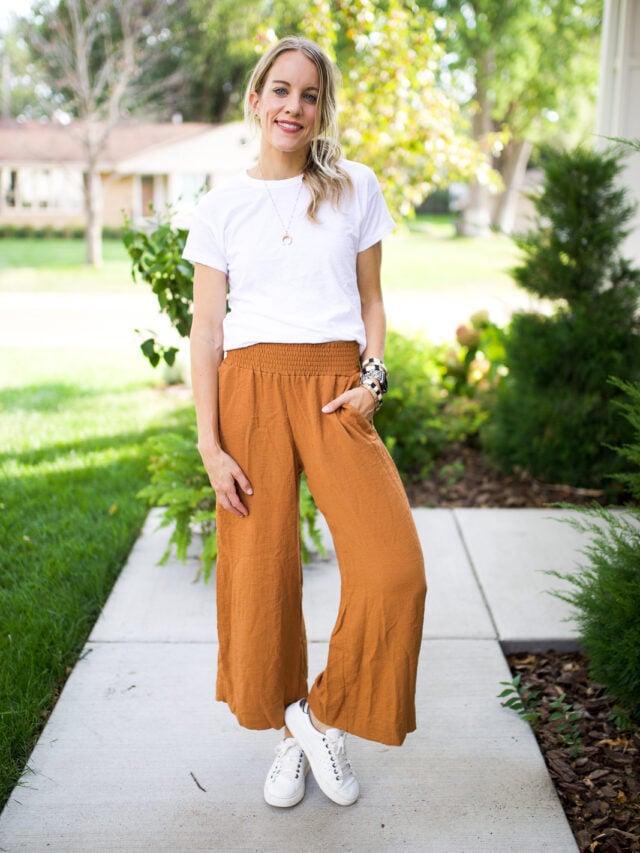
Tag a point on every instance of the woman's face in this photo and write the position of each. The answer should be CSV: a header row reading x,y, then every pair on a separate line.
x,y
287,105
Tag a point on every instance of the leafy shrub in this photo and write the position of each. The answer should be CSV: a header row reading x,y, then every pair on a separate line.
x,y
157,260
476,365
433,399
606,590
553,412
47,232
179,484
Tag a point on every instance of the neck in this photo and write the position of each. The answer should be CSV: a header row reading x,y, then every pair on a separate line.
x,y
278,165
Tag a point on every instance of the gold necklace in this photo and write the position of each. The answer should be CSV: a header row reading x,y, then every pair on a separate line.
x,y
286,238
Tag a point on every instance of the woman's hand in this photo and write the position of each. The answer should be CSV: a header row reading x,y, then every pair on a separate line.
x,y
225,475
360,398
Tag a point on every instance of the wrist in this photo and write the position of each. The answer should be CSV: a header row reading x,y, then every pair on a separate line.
x,y
373,370
209,449
373,388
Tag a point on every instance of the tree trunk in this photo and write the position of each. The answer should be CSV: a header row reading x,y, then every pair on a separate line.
x,y
476,215
93,211
516,158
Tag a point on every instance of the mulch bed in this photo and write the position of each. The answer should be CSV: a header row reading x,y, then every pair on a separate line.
x,y
463,477
594,765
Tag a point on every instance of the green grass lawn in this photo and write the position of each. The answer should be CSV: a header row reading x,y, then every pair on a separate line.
x,y
429,256
55,264
72,430
426,256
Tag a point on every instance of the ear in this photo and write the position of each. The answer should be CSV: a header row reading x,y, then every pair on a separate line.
x,y
254,100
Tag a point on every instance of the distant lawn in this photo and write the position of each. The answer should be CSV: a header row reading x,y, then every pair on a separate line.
x,y
28,265
54,253
426,256
72,458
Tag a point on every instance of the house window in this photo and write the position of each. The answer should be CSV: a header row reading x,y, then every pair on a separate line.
x,y
12,189
147,194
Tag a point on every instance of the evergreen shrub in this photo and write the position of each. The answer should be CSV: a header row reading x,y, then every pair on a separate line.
x,y
553,413
606,591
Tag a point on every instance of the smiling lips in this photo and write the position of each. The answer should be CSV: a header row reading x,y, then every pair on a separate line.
x,y
289,126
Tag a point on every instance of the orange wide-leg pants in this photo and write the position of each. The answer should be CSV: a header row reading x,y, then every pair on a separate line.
x,y
271,423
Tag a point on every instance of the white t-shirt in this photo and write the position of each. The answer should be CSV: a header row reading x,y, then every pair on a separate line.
x,y
306,292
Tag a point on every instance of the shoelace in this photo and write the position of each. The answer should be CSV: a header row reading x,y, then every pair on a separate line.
x,y
336,747
288,759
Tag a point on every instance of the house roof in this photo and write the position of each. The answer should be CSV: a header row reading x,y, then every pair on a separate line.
x,y
31,142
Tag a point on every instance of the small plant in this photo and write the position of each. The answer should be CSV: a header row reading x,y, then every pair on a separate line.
x,y
157,260
523,700
477,364
566,723
528,704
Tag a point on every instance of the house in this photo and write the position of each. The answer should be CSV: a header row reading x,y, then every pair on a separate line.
x,y
145,166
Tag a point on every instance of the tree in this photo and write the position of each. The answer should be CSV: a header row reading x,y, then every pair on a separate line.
x,y
525,62
393,113
20,79
94,54
212,49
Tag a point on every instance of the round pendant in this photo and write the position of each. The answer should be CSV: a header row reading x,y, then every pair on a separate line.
x,y
287,240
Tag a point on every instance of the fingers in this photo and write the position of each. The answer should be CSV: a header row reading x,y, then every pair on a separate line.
x,y
231,503
335,404
226,476
360,398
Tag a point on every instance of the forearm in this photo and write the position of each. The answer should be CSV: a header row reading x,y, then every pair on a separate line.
x,y
206,357
375,325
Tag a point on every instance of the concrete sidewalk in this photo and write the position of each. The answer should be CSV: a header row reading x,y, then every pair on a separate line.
x,y
138,756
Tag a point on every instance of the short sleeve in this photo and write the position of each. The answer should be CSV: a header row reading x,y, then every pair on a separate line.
x,y
205,244
376,222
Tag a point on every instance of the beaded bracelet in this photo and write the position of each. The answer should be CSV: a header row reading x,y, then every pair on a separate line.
x,y
374,368
373,388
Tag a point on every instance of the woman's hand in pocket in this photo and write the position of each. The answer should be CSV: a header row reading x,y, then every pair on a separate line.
x,y
358,398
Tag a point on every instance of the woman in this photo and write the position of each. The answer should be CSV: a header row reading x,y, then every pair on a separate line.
x,y
295,243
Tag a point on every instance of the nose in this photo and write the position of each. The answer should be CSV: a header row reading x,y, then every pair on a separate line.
x,y
293,104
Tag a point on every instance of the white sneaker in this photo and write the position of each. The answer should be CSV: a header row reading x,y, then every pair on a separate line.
x,y
326,753
285,782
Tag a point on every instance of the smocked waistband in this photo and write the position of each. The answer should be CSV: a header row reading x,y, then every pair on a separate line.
x,y
337,357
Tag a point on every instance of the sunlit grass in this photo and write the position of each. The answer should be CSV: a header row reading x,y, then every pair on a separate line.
x,y
428,257
57,265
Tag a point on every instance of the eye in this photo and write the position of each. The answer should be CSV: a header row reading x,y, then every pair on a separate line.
x,y
280,90
311,97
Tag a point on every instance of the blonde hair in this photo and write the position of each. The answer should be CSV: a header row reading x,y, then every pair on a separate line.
x,y
324,178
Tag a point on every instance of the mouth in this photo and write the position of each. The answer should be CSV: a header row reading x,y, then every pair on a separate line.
x,y
289,126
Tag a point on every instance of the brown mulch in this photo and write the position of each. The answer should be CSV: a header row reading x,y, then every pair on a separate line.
x,y
463,477
595,766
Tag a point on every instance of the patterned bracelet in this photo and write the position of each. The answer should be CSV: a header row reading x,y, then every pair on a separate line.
x,y
373,388
374,368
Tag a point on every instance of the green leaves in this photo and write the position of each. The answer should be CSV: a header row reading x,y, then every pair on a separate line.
x,y
157,260
520,699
